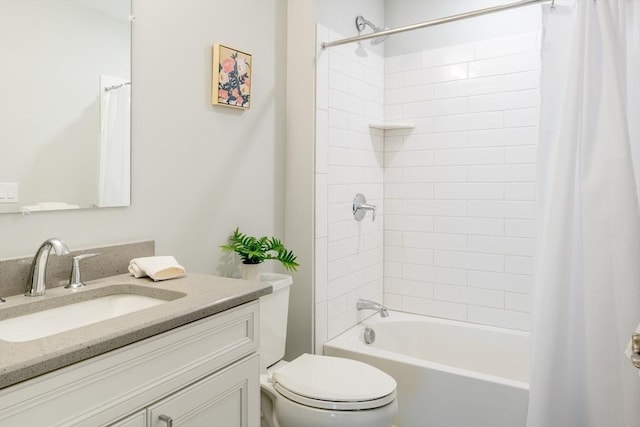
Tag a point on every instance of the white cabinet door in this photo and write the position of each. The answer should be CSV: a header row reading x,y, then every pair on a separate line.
x,y
228,398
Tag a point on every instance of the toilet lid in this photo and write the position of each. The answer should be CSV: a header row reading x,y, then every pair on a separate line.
x,y
334,383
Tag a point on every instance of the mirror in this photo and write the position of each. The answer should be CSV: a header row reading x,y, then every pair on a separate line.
x,y
65,90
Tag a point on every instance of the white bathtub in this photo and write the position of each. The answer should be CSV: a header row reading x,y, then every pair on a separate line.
x,y
449,374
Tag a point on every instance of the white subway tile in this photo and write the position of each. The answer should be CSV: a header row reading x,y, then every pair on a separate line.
x,y
393,112
524,80
518,264
504,65
435,140
522,154
435,174
416,190
412,288
416,272
521,117
322,140
342,248
503,137
469,156
403,95
337,156
448,55
392,301
339,324
505,46
451,276
519,227
408,222
518,302
337,231
452,242
321,321
428,307
485,262
392,80
502,173
338,81
321,270
321,210
409,158
346,64
520,191
469,191
466,295
337,306
338,119
442,107
471,121
393,269
501,318
393,238
392,207
463,225
337,268
435,207
504,101
408,255
469,87
400,63
522,246
338,194
344,284
501,209
434,75
501,281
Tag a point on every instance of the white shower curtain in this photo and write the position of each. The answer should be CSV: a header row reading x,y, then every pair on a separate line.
x,y
114,185
587,289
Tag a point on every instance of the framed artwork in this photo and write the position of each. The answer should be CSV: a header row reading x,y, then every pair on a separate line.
x,y
231,83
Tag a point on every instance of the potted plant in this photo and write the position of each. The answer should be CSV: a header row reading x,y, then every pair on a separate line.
x,y
254,251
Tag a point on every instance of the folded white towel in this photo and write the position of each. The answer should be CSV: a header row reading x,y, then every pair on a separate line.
x,y
156,267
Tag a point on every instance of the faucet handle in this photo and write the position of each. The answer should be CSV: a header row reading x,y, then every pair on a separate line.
x,y
74,279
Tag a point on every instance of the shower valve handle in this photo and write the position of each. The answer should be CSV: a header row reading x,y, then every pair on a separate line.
x,y
360,208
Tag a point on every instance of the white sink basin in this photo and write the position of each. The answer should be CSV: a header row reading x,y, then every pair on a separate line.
x,y
60,319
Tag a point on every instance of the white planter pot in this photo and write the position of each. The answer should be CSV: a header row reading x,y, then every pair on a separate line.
x,y
250,271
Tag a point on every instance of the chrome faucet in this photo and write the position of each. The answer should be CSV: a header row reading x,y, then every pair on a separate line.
x,y
364,304
39,265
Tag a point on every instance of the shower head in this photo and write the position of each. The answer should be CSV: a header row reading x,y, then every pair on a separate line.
x,y
362,23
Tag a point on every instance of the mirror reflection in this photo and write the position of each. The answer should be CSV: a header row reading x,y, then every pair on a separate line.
x,y
65,101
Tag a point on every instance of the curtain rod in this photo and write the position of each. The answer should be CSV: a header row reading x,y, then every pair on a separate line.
x,y
433,22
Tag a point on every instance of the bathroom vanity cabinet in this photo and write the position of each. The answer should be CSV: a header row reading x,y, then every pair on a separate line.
x,y
203,373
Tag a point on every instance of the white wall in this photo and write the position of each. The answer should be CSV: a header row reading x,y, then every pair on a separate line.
x,y
198,170
459,187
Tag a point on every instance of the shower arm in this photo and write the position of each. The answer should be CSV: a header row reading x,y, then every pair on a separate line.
x,y
434,22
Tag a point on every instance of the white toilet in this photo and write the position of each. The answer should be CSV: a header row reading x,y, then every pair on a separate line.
x,y
315,390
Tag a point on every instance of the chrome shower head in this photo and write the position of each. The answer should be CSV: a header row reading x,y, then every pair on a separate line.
x,y
362,23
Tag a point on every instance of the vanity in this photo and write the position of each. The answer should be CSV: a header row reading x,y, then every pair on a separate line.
x,y
189,358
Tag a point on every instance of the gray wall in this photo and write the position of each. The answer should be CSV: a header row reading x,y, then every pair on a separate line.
x,y
198,170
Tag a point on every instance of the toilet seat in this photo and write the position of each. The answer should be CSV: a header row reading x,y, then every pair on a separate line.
x,y
334,383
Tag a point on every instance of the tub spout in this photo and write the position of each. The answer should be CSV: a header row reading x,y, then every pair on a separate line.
x,y
364,304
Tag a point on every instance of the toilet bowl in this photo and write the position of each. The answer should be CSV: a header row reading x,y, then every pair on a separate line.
x,y
315,390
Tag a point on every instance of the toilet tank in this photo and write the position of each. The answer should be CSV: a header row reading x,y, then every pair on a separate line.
x,y
274,309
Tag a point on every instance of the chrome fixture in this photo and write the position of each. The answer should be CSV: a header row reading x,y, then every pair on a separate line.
x,y
364,304
362,23
635,350
360,208
369,336
438,21
2,300
39,265
74,279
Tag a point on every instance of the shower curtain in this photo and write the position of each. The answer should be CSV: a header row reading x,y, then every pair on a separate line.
x,y
115,140
587,288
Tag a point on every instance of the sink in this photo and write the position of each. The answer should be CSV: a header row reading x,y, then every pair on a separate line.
x,y
77,310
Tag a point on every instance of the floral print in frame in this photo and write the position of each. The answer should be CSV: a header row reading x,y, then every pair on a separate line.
x,y
231,84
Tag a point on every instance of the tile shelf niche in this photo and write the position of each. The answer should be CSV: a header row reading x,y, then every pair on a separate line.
x,y
391,125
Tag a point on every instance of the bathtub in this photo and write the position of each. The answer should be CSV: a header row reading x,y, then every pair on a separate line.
x,y
449,374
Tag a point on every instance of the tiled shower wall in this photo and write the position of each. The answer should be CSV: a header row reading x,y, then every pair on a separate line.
x,y
456,237
349,160
459,187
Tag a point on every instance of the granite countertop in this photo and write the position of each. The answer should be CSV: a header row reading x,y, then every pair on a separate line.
x,y
204,296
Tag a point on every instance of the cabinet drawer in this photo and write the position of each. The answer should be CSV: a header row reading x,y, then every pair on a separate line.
x,y
107,387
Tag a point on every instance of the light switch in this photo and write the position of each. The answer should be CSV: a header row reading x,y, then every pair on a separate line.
x,y
8,192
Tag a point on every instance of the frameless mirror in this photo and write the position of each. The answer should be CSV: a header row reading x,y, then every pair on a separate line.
x,y
65,90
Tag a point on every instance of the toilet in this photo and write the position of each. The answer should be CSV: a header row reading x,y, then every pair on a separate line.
x,y
315,390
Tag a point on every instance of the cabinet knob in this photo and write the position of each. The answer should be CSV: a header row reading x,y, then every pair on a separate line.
x,y
167,419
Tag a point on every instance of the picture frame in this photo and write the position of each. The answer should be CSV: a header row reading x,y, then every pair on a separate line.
x,y
231,77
